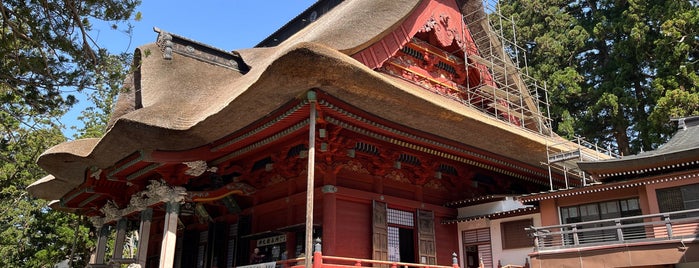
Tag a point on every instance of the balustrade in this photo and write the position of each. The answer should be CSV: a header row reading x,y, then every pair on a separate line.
x,y
320,261
652,227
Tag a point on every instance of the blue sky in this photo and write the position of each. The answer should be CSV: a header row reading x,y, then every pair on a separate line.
x,y
228,25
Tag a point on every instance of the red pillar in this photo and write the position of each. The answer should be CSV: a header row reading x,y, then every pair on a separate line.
x,y
291,245
417,195
329,219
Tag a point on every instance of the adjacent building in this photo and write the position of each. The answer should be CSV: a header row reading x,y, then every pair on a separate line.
x,y
643,213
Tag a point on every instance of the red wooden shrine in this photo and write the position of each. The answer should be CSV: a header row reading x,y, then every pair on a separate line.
x,y
211,153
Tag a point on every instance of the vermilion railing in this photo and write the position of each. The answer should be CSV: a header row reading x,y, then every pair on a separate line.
x,y
320,261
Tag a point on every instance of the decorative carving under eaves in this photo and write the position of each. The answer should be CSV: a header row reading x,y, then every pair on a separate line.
x,y
196,168
96,173
435,184
160,191
356,166
275,179
138,202
445,33
156,192
397,176
110,210
97,221
429,25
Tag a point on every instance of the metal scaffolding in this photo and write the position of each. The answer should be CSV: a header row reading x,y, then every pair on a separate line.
x,y
509,90
563,157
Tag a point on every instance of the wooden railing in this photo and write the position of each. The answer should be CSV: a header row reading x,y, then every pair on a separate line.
x,y
653,227
320,261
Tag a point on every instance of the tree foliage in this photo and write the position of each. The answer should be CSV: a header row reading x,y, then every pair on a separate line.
x,y
616,71
46,47
49,56
31,234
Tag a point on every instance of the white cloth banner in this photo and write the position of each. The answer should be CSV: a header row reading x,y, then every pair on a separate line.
x,y
271,264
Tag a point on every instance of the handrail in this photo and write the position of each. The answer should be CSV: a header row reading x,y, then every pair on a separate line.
x,y
360,262
319,261
622,219
617,230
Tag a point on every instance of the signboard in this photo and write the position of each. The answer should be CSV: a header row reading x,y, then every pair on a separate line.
x,y
271,240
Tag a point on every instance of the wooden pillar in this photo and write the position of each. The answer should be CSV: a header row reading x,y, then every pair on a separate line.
x,y
417,195
167,250
119,239
310,179
144,236
178,253
378,184
101,245
291,245
329,219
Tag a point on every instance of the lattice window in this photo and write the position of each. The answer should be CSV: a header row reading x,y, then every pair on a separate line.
x,y
399,217
679,198
601,210
476,236
393,244
398,220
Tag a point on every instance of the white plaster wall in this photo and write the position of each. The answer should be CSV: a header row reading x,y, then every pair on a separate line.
x,y
510,256
469,225
491,207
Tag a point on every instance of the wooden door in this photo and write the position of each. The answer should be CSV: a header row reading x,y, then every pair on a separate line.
x,y
426,237
380,231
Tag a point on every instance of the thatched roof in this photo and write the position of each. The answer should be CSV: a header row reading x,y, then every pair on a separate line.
x,y
188,101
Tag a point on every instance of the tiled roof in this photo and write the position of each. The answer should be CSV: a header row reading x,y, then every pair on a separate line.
x,y
495,215
602,187
681,151
476,201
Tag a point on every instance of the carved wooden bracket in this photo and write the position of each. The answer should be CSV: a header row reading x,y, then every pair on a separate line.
x,y
156,192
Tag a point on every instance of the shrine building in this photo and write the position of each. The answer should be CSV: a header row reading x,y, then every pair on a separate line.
x,y
361,126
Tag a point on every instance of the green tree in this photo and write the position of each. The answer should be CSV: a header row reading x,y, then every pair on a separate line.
x,y
32,234
47,56
616,70
94,118
46,49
